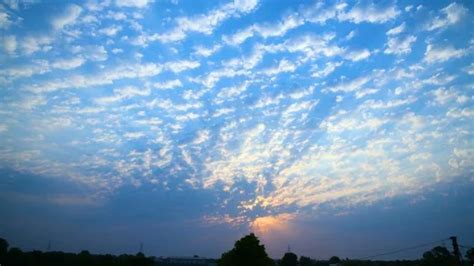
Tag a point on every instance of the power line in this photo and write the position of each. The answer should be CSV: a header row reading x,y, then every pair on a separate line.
x,y
403,249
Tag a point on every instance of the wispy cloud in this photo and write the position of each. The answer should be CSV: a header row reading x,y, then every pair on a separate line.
x,y
275,112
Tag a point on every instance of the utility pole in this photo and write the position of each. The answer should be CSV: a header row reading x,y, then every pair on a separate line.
x,y
457,253
49,246
141,247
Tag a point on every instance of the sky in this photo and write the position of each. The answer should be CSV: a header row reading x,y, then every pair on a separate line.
x,y
338,128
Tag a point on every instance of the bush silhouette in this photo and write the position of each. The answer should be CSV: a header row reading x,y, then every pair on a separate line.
x,y
289,259
247,251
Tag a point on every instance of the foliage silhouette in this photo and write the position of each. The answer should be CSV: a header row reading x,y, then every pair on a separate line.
x,y
305,261
289,259
334,259
438,256
16,257
247,251
470,255
3,246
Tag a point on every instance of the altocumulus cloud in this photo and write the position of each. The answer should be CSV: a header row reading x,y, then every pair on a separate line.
x,y
275,115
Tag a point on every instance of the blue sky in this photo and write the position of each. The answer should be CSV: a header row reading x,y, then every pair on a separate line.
x,y
185,124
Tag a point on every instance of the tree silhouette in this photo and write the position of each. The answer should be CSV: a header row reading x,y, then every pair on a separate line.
x,y
247,251
305,261
289,259
438,256
16,257
3,250
3,246
334,259
470,255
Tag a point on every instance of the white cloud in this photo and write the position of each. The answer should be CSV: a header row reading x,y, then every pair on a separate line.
x,y
204,23
280,28
169,84
399,46
89,19
182,65
443,96
352,85
328,69
357,55
469,69
265,30
439,79
452,14
441,54
125,71
461,113
379,104
225,219
301,93
296,109
122,94
240,36
12,4
92,52
397,30
353,124
3,128
111,30
30,102
36,67
96,53
9,44
312,46
362,93
351,35
245,6
116,15
283,66
69,17
134,135
266,101
5,21
203,51
68,63
32,44
117,51
187,117
94,5
213,77
318,13
246,160
370,13
223,111
230,92
133,3
201,137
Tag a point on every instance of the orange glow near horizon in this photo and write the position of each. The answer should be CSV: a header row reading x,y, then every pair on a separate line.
x,y
270,224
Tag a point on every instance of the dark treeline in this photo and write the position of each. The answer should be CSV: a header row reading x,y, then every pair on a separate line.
x,y
246,252
249,251
15,257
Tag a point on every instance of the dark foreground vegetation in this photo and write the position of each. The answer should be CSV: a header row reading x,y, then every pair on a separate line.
x,y
246,252
15,257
